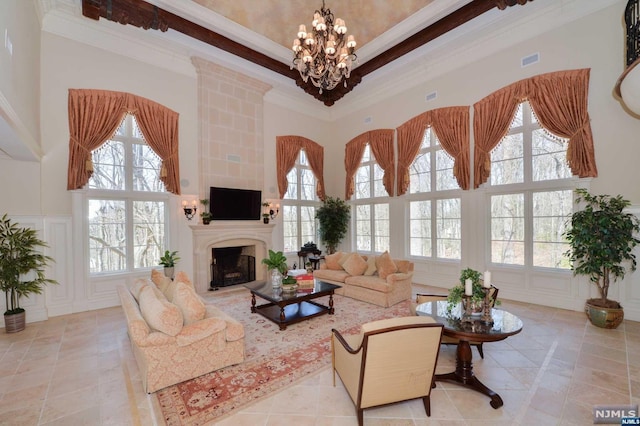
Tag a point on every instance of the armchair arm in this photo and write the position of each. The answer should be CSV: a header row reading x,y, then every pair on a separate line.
x,y
344,343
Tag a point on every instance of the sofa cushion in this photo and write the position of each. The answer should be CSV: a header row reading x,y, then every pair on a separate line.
x,y
170,290
199,330
160,280
183,277
159,314
355,264
329,274
189,303
332,261
385,265
371,266
372,283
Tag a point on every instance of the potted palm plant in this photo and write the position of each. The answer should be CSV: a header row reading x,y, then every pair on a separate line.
x,y
22,270
333,222
601,239
169,260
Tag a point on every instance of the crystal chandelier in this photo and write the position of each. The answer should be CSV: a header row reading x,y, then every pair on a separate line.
x,y
325,54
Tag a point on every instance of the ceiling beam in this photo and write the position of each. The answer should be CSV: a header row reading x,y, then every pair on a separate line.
x,y
147,16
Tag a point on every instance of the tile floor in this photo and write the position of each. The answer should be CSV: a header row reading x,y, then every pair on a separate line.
x,y
79,370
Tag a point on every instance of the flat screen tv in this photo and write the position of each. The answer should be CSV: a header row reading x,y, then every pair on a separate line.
x,y
234,204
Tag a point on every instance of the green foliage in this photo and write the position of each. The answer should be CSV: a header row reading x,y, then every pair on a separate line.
x,y
602,238
289,280
205,214
333,219
169,259
456,293
22,266
276,260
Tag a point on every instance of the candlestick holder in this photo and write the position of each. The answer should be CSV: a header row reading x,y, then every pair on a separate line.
x,y
486,308
466,315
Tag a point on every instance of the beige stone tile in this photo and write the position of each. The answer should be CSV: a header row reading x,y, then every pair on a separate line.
x,y
602,379
294,400
87,417
244,419
58,406
21,415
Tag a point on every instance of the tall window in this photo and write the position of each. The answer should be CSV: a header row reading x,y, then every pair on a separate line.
x,y
530,195
434,203
299,206
371,215
127,203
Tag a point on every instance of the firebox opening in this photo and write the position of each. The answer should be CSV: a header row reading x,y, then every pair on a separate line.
x,y
231,266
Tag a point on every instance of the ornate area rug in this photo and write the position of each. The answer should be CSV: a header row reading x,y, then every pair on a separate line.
x,y
274,358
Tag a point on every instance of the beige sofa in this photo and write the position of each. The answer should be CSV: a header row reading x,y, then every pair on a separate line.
x,y
170,341
379,280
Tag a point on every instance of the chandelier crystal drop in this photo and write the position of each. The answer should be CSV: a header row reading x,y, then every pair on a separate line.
x,y
326,53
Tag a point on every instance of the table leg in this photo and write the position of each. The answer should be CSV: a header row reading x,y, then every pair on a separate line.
x,y
331,310
464,376
253,303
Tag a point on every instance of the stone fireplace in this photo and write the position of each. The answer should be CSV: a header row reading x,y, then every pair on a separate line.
x,y
255,238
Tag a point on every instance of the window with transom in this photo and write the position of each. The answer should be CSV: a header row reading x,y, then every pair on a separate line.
x,y
530,195
434,203
126,204
299,205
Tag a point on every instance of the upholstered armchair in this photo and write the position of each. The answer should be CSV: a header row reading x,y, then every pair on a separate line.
x,y
446,340
390,361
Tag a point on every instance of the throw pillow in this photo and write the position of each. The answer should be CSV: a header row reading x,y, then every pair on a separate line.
x,y
137,287
160,280
404,266
331,261
343,259
385,265
355,264
183,277
159,314
371,266
170,290
189,303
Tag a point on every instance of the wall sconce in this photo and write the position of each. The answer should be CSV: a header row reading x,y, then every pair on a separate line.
x,y
189,211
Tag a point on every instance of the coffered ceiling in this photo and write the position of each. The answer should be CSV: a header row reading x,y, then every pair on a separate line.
x,y
262,31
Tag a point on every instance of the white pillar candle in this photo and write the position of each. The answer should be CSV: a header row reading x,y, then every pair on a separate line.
x,y
468,287
487,279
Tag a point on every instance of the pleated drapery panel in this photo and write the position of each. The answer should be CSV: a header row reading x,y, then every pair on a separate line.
x,y
381,142
287,151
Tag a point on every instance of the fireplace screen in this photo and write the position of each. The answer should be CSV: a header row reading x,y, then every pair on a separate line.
x,y
231,266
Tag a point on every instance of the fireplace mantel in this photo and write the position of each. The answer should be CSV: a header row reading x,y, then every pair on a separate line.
x,y
227,234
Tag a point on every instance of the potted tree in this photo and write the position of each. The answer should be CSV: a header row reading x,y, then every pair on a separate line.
x,y
333,220
169,260
22,268
601,240
205,214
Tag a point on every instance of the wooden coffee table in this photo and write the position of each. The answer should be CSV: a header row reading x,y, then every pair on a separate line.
x,y
286,308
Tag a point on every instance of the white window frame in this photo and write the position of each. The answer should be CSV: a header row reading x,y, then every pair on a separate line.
x,y
434,196
527,187
129,196
301,164
374,202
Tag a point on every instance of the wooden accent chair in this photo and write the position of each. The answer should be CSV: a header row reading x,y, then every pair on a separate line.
x,y
390,361
446,340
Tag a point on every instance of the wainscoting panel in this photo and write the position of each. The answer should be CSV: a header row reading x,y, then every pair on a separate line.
x,y
59,298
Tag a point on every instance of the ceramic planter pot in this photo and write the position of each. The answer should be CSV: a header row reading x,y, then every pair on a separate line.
x,y
14,323
603,317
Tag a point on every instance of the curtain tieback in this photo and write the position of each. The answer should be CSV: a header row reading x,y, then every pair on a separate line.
x,y
580,129
88,163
